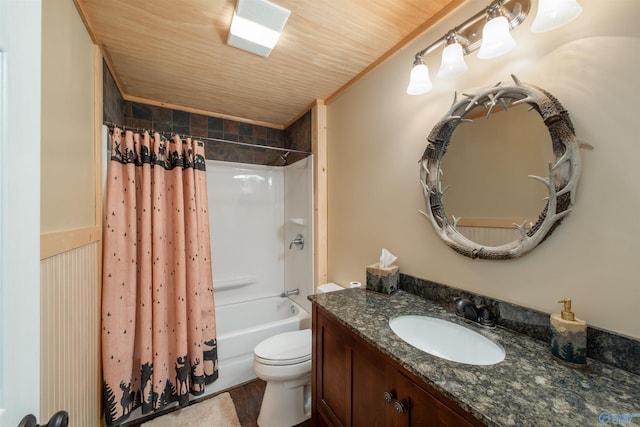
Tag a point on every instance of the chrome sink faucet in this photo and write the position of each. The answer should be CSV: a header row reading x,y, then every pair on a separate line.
x,y
479,314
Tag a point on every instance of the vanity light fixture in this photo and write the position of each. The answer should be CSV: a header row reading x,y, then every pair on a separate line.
x,y
489,31
452,64
496,37
553,14
256,26
419,82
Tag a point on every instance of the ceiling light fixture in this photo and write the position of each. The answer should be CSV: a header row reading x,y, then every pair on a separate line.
x,y
256,26
489,31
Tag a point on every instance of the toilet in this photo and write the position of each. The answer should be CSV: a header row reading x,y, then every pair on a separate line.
x,y
283,361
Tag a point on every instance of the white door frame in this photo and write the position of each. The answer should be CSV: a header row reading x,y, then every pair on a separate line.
x,y
20,32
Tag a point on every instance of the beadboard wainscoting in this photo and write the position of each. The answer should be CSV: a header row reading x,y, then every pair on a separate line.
x,y
70,338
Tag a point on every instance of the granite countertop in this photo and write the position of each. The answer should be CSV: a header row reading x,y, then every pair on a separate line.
x,y
528,388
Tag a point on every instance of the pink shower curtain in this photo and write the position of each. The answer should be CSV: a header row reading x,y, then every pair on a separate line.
x,y
158,320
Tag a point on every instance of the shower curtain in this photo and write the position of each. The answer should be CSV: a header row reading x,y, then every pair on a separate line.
x,y
158,321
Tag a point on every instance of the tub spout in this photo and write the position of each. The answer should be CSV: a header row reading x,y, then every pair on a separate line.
x,y
288,293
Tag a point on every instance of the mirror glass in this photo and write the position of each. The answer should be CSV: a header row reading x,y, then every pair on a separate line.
x,y
487,166
505,158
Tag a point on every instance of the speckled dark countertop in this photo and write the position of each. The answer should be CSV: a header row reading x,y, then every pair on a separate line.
x,y
528,388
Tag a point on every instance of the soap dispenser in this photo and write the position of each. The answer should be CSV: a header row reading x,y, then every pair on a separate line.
x,y
569,337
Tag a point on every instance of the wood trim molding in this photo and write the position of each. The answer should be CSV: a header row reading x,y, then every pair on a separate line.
x,y
303,112
199,111
85,20
97,126
107,59
58,242
320,192
98,114
494,222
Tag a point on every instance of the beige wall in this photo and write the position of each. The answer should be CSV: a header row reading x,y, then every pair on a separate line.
x,y
70,230
376,135
68,165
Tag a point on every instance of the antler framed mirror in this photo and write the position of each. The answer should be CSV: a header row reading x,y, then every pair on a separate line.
x,y
558,188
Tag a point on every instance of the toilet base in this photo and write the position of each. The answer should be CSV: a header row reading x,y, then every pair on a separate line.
x,y
286,403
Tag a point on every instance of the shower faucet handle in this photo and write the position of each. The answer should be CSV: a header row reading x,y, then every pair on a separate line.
x,y
298,242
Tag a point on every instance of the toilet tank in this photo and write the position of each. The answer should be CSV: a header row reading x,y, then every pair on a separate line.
x,y
328,287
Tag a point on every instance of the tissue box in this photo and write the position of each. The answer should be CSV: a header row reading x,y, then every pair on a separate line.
x,y
383,279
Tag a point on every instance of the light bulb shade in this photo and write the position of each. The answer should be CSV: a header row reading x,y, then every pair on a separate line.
x,y
496,38
419,82
554,14
452,61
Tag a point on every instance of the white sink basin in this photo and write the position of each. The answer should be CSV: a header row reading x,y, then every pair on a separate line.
x,y
447,340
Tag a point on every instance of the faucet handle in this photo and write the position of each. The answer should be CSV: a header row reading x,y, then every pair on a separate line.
x,y
480,314
298,242
460,305
485,316
466,309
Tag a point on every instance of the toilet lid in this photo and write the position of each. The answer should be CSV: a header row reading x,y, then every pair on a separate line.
x,y
287,348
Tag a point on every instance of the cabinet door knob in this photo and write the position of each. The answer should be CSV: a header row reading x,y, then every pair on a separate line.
x,y
398,407
388,396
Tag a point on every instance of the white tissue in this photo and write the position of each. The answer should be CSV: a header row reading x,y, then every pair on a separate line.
x,y
386,258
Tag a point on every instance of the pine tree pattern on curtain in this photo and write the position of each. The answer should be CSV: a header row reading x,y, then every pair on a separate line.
x,y
158,321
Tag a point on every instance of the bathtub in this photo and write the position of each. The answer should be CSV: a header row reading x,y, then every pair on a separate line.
x,y
240,327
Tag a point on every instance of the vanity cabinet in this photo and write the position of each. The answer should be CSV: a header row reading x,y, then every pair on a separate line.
x,y
354,384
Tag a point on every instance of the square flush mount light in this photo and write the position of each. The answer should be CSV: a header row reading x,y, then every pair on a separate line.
x,y
256,26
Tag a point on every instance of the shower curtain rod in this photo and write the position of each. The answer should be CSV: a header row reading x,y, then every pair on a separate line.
x,y
112,125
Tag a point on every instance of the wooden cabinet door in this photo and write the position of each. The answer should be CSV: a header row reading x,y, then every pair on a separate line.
x,y
331,376
421,409
350,380
369,384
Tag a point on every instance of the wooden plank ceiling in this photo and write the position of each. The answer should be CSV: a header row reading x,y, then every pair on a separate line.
x,y
175,52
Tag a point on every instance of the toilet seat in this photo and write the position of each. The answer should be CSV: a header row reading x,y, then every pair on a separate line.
x,y
287,348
